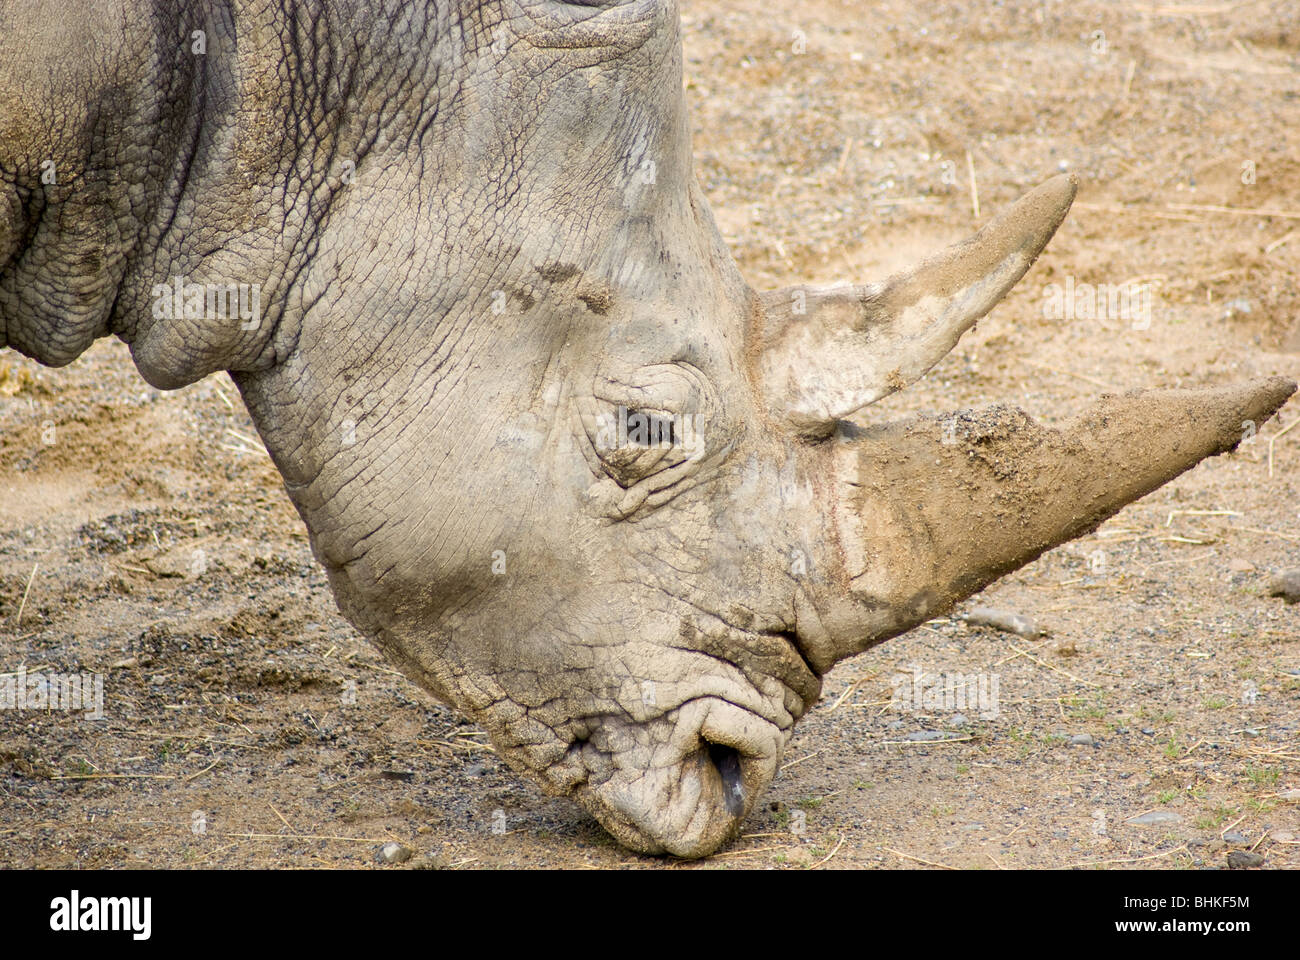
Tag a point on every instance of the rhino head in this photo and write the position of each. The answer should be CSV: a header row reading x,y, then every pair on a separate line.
x,y
562,464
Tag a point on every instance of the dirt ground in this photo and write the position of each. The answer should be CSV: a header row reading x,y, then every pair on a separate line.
x,y
146,536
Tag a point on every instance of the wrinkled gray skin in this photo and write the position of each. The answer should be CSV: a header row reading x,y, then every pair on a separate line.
x,y
477,233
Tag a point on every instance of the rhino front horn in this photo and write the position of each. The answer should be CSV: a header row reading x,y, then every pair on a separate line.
x,y
827,351
930,510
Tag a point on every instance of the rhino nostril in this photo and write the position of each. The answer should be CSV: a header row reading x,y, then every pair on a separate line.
x,y
727,761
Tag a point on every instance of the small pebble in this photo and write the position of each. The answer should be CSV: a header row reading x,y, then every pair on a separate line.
x,y
1244,860
393,852
1285,585
959,720
926,735
1154,817
1235,839
1083,740
1148,732
1004,620
1240,565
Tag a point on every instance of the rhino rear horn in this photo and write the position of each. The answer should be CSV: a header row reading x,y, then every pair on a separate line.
x,y
827,351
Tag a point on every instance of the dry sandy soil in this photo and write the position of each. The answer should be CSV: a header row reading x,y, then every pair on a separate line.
x,y
230,740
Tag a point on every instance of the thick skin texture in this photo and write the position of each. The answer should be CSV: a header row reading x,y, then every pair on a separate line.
x,y
478,243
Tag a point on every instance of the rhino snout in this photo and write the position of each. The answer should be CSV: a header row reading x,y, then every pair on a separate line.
x,y
690,794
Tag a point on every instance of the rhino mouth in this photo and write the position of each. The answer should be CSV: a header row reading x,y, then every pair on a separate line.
x,y
726,760
678,776
698,788
683,782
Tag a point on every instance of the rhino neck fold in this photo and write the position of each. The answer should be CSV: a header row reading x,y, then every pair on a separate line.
x,y
296,108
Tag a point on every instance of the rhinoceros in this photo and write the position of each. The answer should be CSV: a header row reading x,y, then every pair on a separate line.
x,y
560,462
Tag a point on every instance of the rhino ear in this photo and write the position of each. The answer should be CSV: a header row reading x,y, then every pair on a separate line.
x,y
826,351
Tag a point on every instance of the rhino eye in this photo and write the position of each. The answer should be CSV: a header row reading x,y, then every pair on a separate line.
x,y
652,423
633,443
645,428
